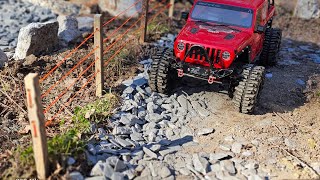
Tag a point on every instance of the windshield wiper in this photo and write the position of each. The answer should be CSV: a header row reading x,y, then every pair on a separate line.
x,y
223,25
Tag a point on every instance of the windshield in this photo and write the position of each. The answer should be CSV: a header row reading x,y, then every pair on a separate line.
x,y
223,14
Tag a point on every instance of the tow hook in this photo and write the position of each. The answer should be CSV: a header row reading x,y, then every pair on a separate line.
x,y
180,73
211,79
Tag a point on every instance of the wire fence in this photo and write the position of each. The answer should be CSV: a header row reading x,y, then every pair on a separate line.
x,y
57,97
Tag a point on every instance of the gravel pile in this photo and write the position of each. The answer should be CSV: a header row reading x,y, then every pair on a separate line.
x,y
149,133
16,14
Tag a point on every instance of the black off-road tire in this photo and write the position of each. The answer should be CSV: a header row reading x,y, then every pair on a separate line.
x,y
161,76
271,47
247,91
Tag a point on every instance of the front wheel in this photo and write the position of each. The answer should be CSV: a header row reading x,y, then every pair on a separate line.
x,y
161,76
247,92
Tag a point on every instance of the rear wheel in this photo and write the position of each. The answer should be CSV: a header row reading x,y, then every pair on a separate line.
x,y
247,92
162,77
271,47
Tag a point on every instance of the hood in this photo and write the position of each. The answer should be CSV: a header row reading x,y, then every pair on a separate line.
x,y
213,36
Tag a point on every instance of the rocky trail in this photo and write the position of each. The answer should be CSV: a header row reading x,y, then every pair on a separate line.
x,y
197,134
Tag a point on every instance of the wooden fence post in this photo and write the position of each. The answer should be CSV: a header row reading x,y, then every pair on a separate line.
x,y
144,21
37,124
98,43
171,10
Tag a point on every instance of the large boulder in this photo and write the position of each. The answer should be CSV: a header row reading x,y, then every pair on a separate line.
x,y
114,7
3,58
68,30
307,9
37,38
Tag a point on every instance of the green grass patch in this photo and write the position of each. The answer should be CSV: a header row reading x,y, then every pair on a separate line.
x,y
70,141
156,27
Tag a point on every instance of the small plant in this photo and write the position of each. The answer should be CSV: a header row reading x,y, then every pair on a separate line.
x,y
69,141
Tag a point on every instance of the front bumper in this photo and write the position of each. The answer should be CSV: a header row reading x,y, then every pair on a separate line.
x,y
211,74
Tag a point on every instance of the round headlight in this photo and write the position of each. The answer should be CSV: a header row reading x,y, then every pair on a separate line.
x,y
226,55
181,46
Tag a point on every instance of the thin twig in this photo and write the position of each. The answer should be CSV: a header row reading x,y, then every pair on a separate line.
x,y
278,129
14,102
301,161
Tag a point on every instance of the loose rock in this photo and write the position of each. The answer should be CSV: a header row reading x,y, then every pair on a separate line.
x,y
37,38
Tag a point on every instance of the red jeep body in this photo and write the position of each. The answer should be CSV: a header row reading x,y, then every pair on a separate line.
x,y
224,43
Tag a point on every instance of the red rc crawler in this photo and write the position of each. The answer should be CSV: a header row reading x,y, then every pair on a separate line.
x,y
222,42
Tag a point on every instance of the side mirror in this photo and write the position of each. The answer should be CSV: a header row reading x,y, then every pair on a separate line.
x,y
260,29
184,15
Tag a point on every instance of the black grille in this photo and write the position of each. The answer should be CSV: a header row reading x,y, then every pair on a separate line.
x,y
210,51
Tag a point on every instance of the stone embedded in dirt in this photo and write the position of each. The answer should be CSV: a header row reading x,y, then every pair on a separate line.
x,y
91,159
236,147
118,176
229,138
98,169
3,58
228,166
155,147
128,90
37,38
290,143
183,101
218,156
225,147
120,130
247,153
119,166
130,120
123,142
205,131
136,137
200,164
150,153
71,161
91,149
307,9
169,150
154,117
107,170
164,171
216,167
75,176
151,107
201,111
68,30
